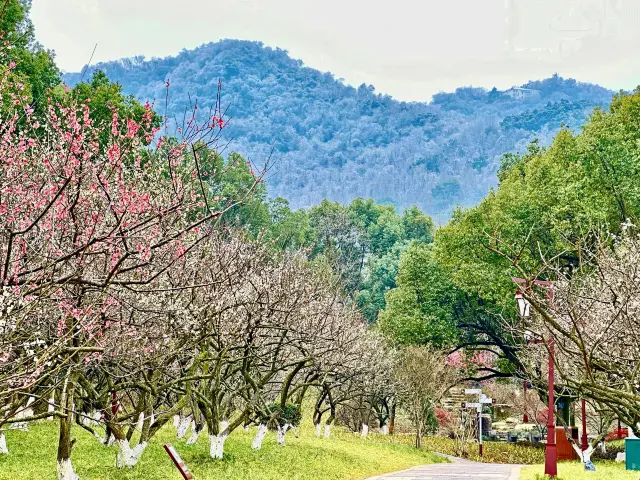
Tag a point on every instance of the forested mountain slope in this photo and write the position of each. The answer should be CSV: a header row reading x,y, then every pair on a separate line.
x,y
334,141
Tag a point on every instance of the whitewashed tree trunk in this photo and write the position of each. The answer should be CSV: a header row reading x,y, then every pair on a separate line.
x,y
365,430
295,430
128,457
176,420
282,431
111,440
3,444
140,422
183,426
65,470
100,438
21,426
216,445
95,417
384,430
327,431
195,433
50,408
260,434
318,430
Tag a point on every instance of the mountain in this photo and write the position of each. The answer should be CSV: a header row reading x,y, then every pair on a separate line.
x,y
331,140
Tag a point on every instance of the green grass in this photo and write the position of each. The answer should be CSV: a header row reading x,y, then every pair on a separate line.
x,y
343,456
576,471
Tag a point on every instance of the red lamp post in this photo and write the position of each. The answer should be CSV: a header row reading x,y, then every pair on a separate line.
x,y
551,450
585,441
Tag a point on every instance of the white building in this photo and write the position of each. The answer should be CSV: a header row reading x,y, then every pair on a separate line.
x,y
521,93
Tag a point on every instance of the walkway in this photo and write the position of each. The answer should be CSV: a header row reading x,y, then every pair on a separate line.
x,y
457,470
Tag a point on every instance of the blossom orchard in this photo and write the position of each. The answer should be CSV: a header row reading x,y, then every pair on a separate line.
x,y
79,221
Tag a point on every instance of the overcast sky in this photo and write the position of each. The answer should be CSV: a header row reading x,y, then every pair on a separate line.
x,y
410,49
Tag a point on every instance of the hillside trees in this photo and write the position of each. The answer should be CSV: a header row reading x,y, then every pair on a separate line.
x,y
552,204
334,141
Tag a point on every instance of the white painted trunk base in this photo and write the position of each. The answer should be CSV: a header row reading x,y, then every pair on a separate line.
x,y
318,430
128,457
260,434
384,430
365,430
50,408
195,433
65,470
585,456
111,440
3,445
183,426
295,431
216,446
282,431
327,431
176,420
140,422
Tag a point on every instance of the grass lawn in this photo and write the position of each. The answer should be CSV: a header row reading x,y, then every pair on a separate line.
x,y
575,471
343,456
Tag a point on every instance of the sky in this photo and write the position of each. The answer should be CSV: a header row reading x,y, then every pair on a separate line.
x,y
409,49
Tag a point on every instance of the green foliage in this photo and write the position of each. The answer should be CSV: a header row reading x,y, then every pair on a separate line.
x,y
364,241
550,203
276,416
422,309
106,98
431,422
34,66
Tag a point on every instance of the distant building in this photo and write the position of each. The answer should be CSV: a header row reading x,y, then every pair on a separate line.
x,y
521,93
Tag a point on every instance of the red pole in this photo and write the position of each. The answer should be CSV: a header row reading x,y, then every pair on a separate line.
x,y
114,403
551,452
585,441
525,417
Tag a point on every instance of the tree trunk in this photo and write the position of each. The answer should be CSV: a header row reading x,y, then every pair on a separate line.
x,y
64,466
318,430
260,434
365,430
183,426
327,430
3,444
216,445
392,419
128,457
196,428
51,406
281,435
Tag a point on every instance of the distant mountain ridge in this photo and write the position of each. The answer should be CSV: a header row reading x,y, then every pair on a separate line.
x,y
331,140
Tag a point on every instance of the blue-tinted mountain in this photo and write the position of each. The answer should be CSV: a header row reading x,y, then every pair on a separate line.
x,y
331,140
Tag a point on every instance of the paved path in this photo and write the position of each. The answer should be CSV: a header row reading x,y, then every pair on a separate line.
x,y
457,470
